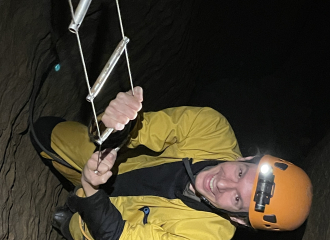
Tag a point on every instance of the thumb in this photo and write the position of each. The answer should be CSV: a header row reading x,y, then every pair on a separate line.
x,y
108,174
104,177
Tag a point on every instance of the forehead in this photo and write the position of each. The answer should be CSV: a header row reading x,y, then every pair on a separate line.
x,y
245,188
245,184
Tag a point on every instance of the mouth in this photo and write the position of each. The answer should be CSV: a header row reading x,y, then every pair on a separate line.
x,y
211,184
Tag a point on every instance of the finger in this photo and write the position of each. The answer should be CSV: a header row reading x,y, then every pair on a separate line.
x,y
113,118
105,177
101,179
107,161
129,100
92,162
98,179
126,110
112,153
122,109
105,152
95,155
104,167
110,158
118,116
138,93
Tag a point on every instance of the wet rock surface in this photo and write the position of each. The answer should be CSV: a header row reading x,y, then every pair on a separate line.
x,y
263,65
41,72
317,167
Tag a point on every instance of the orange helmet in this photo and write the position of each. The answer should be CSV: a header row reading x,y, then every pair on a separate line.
x,y
281,195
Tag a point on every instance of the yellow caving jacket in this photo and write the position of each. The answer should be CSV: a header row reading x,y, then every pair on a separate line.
x,y
147,192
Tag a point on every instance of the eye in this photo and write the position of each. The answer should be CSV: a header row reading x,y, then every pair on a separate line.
x,y
240,173
237,199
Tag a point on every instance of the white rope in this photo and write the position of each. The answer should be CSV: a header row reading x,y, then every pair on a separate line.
x,y
87,80
126,53
88,86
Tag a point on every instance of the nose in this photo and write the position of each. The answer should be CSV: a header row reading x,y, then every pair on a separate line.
x,y
224,184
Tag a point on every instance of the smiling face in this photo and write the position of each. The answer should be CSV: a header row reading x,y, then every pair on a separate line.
x,y
228,185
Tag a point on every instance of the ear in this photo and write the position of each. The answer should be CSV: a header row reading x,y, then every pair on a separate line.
x,y
244,158
238,220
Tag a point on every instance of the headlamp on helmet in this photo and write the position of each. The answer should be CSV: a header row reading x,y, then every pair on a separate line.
x,y
264,188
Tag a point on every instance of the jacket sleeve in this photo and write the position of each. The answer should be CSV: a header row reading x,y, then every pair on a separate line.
x,y
103,220
187,131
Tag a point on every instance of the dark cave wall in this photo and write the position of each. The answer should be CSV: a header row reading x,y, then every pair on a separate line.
x,y
34,38
317,167
28,191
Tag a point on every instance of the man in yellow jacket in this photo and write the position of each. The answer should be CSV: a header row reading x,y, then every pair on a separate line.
x,y
195,186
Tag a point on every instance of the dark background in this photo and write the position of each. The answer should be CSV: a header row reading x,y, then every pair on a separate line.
x,y
265,67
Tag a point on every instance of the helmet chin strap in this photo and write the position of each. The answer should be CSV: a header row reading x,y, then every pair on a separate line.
x,y
204,199
186,162
219,210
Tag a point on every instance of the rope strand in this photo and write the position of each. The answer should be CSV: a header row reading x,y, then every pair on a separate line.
x,y
126,53
87,80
